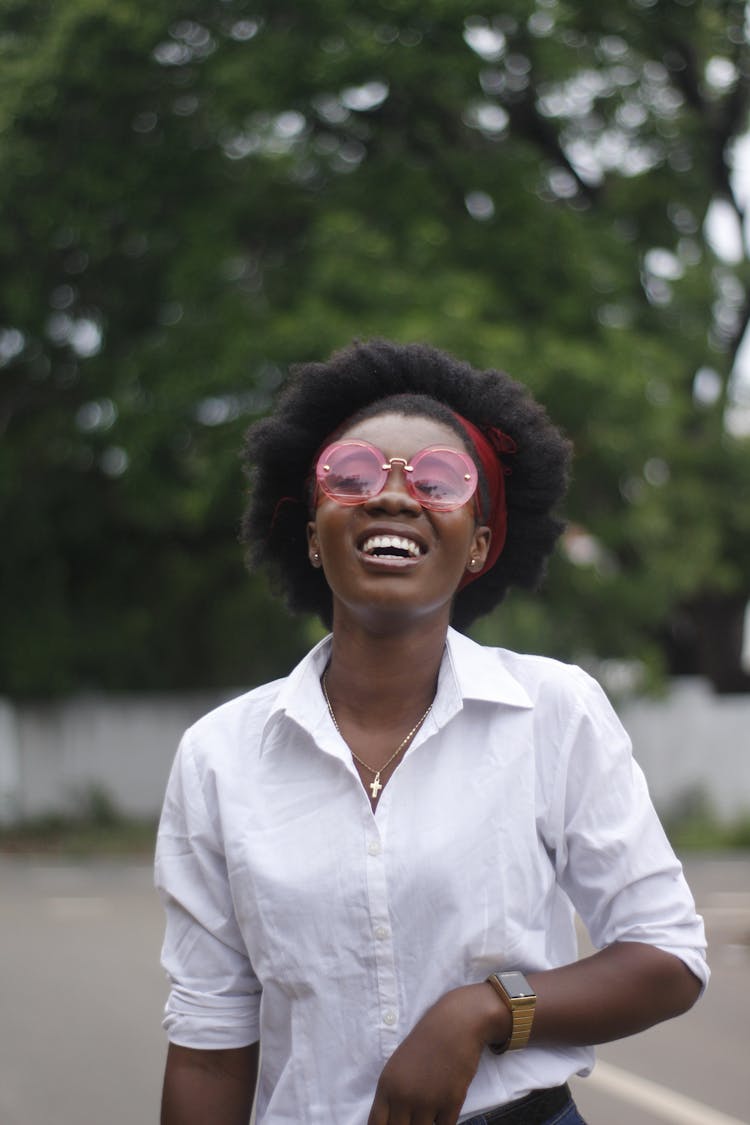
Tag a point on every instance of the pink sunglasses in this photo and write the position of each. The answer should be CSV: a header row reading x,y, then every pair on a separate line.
x,y
352,472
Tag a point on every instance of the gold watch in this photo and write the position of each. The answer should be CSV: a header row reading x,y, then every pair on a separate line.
x,y
520,1000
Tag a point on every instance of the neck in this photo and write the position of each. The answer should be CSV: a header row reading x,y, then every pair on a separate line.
x,y
391,674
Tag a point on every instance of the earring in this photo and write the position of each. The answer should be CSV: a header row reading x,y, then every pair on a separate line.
x,y
472,564
315,558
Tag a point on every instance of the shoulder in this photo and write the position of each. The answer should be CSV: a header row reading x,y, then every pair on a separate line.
x,y
233,735
251,706
507,676
235,727
547,679
578,734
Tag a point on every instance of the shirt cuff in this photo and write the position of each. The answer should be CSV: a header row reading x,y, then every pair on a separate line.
x,y
211,1022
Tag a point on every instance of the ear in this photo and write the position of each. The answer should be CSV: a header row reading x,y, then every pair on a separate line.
x,y
313,550
479,548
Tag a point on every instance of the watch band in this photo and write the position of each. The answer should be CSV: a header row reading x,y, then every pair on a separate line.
x,y
520,1000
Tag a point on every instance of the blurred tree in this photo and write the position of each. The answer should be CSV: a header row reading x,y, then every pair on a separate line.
x,y
194,194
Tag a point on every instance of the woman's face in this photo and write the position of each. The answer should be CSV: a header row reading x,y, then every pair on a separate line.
x,y
391,584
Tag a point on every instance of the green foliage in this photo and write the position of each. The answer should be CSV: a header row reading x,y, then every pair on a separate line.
x,y
692,825
102,832
196,193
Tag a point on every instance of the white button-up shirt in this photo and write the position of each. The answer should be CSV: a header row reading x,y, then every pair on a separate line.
x,y
297,916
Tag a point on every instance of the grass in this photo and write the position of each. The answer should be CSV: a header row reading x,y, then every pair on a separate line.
x,y
99,829
57,836
706,834
693,825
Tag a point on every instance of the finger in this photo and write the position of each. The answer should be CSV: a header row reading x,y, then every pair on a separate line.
x,y
416,1115
448,1115
423,1117
378,1112
386,1112
402,1115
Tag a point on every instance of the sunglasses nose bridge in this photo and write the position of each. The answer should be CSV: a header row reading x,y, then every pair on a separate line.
x,y
404,466
388,465
396,483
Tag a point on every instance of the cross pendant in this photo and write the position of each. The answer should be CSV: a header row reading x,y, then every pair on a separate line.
x,y
375,786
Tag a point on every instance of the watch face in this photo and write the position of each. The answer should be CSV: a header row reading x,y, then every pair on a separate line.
x,y
516,985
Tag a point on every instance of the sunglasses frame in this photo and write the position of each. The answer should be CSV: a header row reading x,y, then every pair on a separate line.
x,y
408,467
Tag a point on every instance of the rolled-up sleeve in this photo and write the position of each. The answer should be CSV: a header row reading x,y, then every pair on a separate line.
x,y
612,855
215,996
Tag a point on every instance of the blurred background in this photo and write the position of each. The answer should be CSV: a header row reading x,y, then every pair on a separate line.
x,y
195,195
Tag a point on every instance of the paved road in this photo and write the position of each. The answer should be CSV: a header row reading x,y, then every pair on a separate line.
x,y
705,1055
81,994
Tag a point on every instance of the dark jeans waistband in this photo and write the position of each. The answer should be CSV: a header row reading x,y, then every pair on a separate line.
x,y
534,1109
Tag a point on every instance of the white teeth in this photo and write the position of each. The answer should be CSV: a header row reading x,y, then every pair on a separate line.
x,y
391,542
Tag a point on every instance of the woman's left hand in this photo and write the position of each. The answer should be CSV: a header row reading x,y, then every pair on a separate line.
x,y
427,1077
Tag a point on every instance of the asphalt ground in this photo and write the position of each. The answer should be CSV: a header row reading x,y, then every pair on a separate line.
x,y
81,994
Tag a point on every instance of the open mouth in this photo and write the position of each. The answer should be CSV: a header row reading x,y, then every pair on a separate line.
x,y
390,547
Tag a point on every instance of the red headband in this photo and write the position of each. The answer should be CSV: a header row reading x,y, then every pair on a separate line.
x,y
489,443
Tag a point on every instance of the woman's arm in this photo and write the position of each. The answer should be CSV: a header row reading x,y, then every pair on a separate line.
x,y
616,992
209,1087
215,995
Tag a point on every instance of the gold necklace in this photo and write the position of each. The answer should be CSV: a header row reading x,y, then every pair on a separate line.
x,y
375,785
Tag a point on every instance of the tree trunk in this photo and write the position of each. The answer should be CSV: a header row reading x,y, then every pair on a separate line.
x,y
706,639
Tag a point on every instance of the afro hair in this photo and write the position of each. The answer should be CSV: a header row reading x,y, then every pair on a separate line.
x,y
319,398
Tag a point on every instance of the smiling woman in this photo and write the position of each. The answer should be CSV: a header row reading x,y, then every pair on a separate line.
x,y
407,518
372,867
521,458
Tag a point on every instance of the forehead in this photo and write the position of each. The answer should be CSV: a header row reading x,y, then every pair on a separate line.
x,y
400,435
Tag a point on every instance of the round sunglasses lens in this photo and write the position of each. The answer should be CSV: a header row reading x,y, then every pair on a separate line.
x,y
350,472
442,478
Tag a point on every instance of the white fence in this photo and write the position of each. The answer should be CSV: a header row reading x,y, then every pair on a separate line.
x,y
53,756
693,742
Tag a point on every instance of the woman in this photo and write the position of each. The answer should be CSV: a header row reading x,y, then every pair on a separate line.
x,y
371,867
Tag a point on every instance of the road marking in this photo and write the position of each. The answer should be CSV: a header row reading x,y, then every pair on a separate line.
x,y
656,1099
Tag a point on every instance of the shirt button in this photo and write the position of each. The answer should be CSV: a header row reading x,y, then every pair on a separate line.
x,y
389,1018
381,932
373,847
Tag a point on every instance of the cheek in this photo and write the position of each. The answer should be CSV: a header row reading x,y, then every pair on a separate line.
x,y
329,530
461,529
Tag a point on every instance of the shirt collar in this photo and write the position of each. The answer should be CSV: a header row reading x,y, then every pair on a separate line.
x,y
469,671
299,697
479,673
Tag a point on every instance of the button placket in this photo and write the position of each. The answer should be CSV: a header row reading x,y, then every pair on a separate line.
x,y
377,892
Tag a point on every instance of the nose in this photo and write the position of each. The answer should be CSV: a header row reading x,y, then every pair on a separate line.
x,y
394,495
